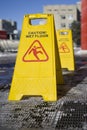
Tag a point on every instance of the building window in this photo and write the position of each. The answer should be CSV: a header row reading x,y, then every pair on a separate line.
x,y
69,25
63,17
70,10
49,10
55,10
70,16
63,25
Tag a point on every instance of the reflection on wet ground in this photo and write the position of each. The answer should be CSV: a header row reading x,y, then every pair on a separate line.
x,y
6,76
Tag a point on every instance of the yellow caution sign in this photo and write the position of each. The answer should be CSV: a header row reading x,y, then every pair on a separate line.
x,y
35,70
66,51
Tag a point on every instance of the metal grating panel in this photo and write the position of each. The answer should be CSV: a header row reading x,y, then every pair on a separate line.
x,y
68,113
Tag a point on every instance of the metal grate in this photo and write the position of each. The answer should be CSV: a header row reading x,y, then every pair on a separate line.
x,y
73,115
68,113
34,113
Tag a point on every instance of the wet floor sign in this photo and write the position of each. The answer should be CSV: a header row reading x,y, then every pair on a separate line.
x,y
66,51
35,70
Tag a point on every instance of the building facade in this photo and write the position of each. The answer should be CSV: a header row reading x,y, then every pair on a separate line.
x,y
8,25
64,15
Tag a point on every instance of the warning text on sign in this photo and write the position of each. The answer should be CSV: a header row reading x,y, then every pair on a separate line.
x,y
37,34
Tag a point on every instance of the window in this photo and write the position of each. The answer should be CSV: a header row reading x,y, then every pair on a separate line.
x,y
69,9
63,25
55,9
69,25
62,16
70,16
49,10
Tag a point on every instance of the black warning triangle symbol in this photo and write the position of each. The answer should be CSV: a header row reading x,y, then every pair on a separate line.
x,y
35,53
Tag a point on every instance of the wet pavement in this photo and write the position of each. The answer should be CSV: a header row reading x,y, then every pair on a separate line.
x,y
69,112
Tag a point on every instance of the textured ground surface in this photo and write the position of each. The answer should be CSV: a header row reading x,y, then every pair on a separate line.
x,y
68,113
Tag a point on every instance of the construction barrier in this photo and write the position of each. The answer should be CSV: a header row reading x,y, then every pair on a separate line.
x,y
65,47
35,70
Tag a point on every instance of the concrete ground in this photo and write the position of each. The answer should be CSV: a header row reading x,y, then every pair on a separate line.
x,y
69,112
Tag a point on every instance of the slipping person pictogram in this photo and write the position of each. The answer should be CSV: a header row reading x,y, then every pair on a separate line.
x,y
64,48
35,53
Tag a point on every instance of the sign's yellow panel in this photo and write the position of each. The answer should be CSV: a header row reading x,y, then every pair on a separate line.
x,y
66,51
35,70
